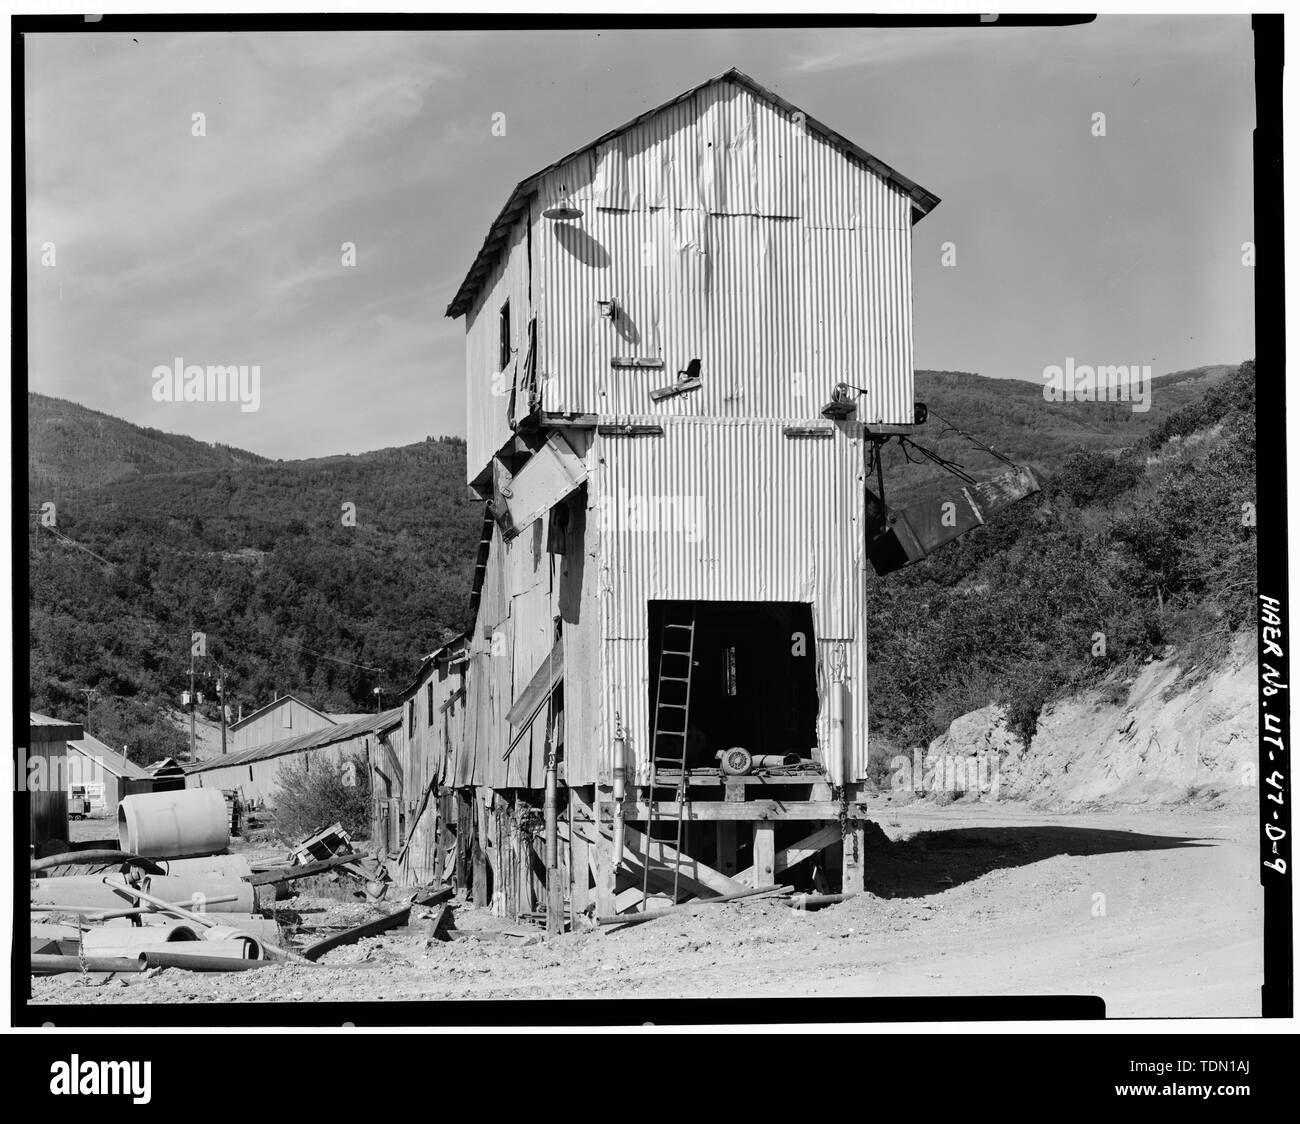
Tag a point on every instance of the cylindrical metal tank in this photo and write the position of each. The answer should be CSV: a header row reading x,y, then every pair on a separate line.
x,y
193,892
166,825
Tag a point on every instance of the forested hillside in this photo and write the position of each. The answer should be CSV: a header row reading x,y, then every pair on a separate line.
x,y
158,534
260,559
1128,550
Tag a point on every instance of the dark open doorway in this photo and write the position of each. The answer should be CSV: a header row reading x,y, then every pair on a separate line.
x,y
753,680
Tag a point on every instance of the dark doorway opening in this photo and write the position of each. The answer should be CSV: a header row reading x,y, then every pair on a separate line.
x,y
753,679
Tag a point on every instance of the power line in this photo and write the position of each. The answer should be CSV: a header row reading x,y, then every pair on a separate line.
x,y
333,659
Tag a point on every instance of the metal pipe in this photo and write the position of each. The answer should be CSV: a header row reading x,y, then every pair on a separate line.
x,y
276,952
46,964
98,857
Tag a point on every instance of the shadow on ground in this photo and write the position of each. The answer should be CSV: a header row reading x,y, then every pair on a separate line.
x,y
931,862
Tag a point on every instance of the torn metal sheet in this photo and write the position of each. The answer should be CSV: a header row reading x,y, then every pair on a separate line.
x,y
552,473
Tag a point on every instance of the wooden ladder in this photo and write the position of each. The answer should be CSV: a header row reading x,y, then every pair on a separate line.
x,y
672,701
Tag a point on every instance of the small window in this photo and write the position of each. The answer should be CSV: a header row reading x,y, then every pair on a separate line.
x,y
504,357
410,717
430,692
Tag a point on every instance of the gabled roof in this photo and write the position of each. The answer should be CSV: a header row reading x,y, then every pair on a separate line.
x,y
300,743
923,201
272,705
91,747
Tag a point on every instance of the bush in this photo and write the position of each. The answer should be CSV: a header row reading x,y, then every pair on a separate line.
x,y
311,797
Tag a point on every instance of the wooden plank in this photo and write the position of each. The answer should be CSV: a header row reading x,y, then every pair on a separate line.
x,y
579,868
292,873
764,868
606,869
351,936
787,857
479,826
747,810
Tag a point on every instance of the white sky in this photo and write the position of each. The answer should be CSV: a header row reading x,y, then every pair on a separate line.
x,y
226,248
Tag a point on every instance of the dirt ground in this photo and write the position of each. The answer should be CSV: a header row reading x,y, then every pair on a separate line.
x,y
1159,912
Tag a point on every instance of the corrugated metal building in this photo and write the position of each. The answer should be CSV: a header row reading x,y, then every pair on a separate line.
x,y
105,774
254,773
681,341
286,717
412,777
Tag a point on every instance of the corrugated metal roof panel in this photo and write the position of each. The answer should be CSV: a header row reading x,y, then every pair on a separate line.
x,y
317,739
681,169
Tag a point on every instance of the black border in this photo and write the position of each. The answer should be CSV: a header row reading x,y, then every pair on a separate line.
x,y
1277,996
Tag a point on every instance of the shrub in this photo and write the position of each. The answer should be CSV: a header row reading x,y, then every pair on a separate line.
x,y
311,797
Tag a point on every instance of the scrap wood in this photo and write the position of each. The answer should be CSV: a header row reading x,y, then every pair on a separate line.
x,y
425,896
640,918
438,925
351,936
291,873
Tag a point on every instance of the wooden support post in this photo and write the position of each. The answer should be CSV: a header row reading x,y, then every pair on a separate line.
x,y
852,880
764,867
606,868
478,824
727,860
579,861
464,841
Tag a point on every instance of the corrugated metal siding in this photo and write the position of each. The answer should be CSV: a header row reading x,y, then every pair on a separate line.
x,y
273,727
258,781
487,390
726,233
743,513
751,515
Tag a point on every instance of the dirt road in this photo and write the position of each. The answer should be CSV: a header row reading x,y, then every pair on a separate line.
x,y
1159,912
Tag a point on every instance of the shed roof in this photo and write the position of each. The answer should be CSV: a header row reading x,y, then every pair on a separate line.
x,y
923,201
90,746
300,743
43,728
261,710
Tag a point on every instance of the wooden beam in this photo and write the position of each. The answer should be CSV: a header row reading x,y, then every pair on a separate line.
x,y
306,870
852,881
606,868
579,866
764,868
742,811
695,877
351,936
478,825
787,857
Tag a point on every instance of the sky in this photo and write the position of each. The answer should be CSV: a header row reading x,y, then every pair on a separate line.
x,y
227,248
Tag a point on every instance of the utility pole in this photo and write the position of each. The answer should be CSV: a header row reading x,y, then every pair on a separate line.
x,y
90,693
191,701
221,704
379,696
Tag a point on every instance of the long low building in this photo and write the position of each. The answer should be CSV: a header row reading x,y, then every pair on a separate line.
x,y
254,773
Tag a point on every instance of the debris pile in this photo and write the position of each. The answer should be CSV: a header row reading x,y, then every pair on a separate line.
x,y
173,895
